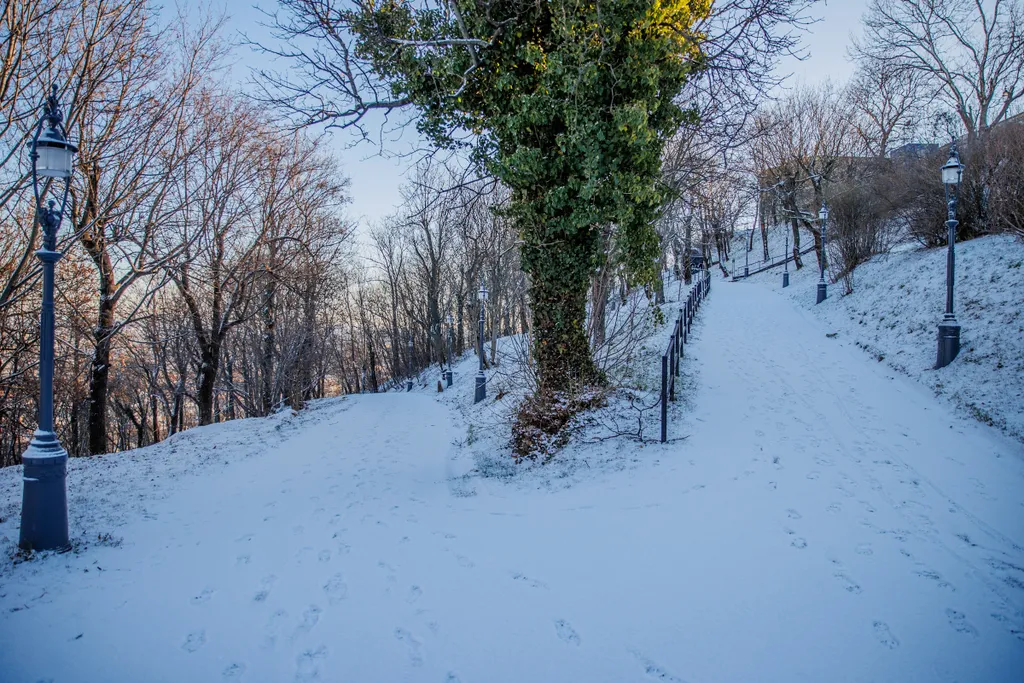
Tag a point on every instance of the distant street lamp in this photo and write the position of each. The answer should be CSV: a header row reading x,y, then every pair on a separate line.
x,y
451,332
949,328
822,287
408,383
746,265
481,379
44,503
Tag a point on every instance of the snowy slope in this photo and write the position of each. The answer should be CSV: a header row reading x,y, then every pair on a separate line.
x,y
822,520
898,301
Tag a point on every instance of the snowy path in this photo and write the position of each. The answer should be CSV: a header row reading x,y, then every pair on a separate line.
x,y
822,522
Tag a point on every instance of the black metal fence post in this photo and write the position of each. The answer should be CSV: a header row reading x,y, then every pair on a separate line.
x,y
664,398
671,364
680,342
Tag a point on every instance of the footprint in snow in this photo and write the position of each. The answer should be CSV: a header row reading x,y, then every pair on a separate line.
x,y
793,514
310,618
194,641
414,594
653,670
835,508
532,583
307,664
959,622
864,549
936,577
849,584
389,575
324,556
797,541
415,658
885,636
1006,621
566,632
813,475
233,671
465,561
203,597
265,585
273,629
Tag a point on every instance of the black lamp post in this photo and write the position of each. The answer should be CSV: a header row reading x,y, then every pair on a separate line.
x,y
451,332
822,286
949,328
481,379
44,506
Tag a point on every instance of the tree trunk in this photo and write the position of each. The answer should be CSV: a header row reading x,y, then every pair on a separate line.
x,y
460,337
373,366
269,342
560,279
687,260
599,307
207,381
796,245
156,415
99,381
764,229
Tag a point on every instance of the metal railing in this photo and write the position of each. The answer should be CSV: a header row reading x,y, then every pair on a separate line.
x,y
763,265
680,334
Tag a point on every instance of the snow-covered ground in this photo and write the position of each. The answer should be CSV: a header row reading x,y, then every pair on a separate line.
x,y
898,301
824,519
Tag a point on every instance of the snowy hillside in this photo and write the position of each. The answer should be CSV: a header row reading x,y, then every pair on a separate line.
x,y
898,301
816,519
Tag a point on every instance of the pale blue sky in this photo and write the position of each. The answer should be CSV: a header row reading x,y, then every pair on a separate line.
x,y
376,179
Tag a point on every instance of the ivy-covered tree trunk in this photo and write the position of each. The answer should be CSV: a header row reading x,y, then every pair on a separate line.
x,y
558,291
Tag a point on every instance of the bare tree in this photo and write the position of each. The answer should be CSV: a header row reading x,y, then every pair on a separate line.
x,y
132,147
889,103
805,138
970,52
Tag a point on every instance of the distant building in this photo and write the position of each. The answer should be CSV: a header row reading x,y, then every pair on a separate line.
x,y
914,150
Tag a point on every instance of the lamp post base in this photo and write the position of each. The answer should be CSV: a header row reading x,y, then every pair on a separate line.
x,y
785,280
481,388
448,377
822,292
44,508
949,343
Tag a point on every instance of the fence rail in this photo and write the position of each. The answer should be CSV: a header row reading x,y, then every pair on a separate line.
x,y
763,265
674,353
